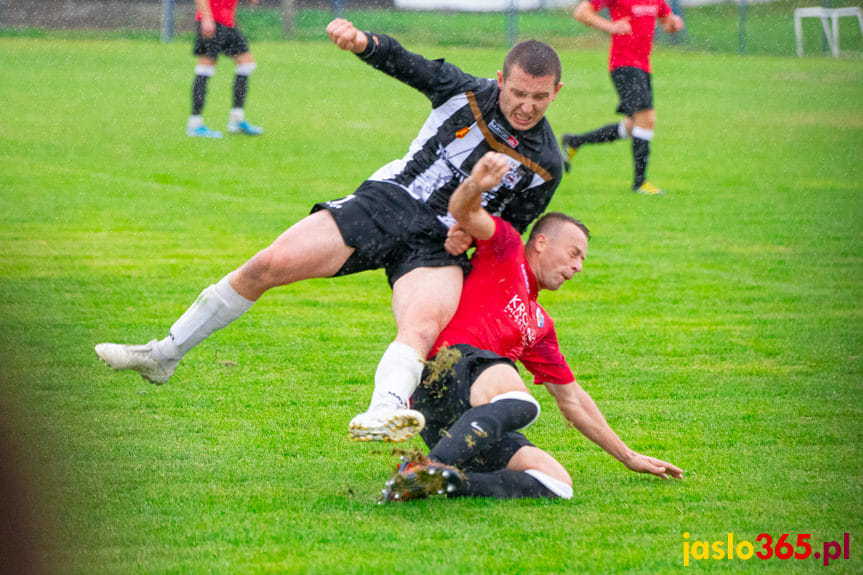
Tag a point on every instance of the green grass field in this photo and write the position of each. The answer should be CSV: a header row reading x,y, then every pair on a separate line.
x,y
718,327
767,28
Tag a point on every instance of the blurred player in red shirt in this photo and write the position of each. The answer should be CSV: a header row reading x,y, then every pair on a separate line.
x,y
631,27
217,33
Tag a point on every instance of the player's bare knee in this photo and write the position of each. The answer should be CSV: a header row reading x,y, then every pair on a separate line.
x,y
646,119
428,334
495,381
532,457
557,473
259,271
562,475
420,336
419,324
244,58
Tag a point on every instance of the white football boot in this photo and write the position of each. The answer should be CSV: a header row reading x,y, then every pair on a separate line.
x,y
140,358
386,424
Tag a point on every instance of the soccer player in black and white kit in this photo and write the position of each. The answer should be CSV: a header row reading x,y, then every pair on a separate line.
x,y
398,219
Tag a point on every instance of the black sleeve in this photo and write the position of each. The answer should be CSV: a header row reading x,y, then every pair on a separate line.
x,y
526,207
438,80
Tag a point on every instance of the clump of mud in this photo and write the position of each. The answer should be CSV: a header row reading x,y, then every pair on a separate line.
x,y
438,369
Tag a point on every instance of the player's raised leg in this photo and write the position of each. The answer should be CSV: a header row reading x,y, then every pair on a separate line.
x,y
608,133
424,300
313,247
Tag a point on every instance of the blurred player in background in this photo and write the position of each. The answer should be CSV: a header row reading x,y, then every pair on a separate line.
x,y
631,28
472,396
398,219
217,33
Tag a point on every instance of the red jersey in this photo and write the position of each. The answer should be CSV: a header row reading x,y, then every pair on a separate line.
x,y
498,310
633,49
223,12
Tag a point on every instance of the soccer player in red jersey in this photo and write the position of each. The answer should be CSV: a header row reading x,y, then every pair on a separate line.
x,y
472,396
631,27
217,33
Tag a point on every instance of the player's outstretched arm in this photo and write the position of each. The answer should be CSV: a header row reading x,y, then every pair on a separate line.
x,y
585,14
465,204
346,36
646,464
579,409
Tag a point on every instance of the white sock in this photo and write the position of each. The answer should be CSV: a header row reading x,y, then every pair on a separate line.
x,y
245,69
622,132
397,376
556,486
205,70
236,115
216,307
642,133
195,121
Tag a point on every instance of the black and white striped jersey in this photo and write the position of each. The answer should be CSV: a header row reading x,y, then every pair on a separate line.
x,y
465,123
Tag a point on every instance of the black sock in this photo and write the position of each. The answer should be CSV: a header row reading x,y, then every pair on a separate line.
x,y
241,86
604,134
640,153
481,427
503,484
199,94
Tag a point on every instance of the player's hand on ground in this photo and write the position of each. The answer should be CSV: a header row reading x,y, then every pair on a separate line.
x,y
489,170
457,240
646,464
346,36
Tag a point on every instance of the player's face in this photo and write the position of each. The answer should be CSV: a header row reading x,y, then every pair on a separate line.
x,y
525,98
561,256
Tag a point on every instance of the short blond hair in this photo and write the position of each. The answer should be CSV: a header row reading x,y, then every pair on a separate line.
x,y
551,221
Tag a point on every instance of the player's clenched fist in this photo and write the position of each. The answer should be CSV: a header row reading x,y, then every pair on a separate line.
x,y
672,24
489,170
620,27
346,36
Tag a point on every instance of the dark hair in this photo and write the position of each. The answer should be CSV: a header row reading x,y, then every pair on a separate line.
x,y
535,58
552,220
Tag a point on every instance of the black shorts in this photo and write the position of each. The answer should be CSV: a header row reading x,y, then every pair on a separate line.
x,y
634,89
227,41
444,395
389,229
